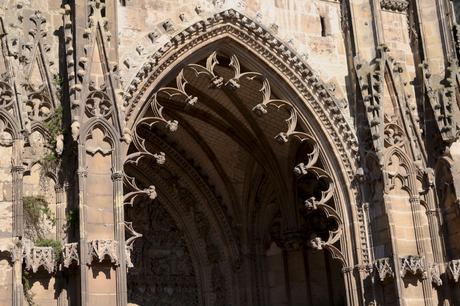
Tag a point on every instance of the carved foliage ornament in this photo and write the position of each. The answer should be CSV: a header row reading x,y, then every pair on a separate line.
x,y
98,104
384,269
454,269
70,254
40,92
387,129
435,275
102,249
34,257
394,5
413,264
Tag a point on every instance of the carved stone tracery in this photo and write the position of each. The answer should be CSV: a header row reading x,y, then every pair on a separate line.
x,y
237,25
70,254
413,264
38,257
102,249
384,268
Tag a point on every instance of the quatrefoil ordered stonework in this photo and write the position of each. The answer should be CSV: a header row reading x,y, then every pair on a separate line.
x,y
38,107
98,105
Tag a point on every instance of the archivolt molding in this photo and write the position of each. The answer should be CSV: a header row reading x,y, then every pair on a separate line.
x,y
235,25
268,103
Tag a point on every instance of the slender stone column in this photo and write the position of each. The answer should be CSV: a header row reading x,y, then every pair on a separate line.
x,y
122,291
18,231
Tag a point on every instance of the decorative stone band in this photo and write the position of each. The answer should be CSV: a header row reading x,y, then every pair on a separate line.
x,y
70,254
384,269
454,269
40,257
33,256
416,265
413,264
100,249
394,5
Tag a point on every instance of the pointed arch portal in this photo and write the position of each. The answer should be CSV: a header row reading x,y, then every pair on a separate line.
x,y
235,189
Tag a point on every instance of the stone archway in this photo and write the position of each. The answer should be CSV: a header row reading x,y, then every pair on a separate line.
x,y
253,183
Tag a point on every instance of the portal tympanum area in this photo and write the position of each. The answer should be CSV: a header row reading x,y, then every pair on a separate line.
x,y
229,152
244,211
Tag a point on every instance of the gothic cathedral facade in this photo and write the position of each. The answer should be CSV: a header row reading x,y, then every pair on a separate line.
x,y
229,152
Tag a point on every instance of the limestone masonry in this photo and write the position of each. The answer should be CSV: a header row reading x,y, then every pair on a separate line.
x,y
229,152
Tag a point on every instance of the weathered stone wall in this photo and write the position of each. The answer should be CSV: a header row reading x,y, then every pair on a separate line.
x,y
374,85
146,25
6,225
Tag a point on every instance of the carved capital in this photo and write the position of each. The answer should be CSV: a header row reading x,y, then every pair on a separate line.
x,y
18,169
117,176
413,264
70,254
384,269
81,172
435,275
40,257
454,269
101,249
394,5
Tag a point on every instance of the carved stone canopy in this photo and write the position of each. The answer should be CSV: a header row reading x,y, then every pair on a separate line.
x,y
413,264
384,268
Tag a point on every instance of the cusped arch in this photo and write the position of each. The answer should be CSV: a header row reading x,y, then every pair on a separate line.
x,y
319,112
249,40
11,124
94,123
404,162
